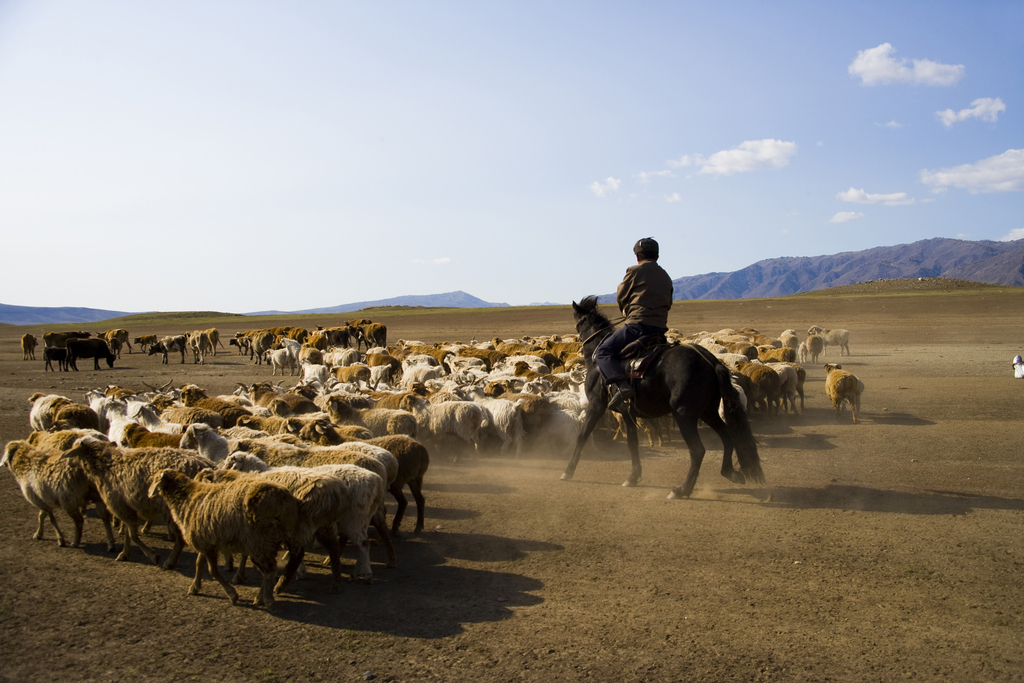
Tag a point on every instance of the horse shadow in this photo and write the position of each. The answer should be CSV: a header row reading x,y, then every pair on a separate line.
x,y
424,597
865,499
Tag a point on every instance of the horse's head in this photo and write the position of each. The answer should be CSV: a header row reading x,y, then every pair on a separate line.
x,y
588,319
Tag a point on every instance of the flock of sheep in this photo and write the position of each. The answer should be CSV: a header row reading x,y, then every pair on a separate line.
x,y
266,468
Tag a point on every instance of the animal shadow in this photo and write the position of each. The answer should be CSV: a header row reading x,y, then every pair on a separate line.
x,y
843,497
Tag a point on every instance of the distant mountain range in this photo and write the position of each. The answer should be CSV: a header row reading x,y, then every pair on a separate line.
x,y
40,315
457,299
997,263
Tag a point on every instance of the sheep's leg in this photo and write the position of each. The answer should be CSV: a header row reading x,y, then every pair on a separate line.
x,y
197,582
380,523
43,514
132,536
295,555
268,567
240,574
105,516
417,494
79,519
329,539
211,563
396,491
179,545
361,569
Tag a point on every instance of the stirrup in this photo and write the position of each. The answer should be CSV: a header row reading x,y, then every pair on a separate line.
x,y
620,394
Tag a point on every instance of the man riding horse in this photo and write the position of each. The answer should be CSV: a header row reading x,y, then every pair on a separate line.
x,y
644,298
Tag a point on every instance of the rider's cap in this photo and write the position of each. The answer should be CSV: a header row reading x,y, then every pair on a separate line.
x,y
647,245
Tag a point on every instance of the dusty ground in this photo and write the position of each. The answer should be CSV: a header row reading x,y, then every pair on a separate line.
x,y
888,550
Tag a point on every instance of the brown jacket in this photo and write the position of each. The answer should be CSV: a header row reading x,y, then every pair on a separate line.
x,y
645,294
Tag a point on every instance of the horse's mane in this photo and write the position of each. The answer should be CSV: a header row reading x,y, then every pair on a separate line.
x,y
588,305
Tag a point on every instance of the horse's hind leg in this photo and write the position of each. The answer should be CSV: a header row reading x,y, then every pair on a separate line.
x,y
712,419
688,428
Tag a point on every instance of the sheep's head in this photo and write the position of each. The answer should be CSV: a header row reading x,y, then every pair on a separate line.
x,y
10,449
85,446
829,367
191,393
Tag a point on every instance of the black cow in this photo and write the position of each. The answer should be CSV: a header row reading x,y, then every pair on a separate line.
x,y
54,354
89,348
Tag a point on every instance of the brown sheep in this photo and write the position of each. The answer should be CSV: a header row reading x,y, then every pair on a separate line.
x,y
840,386
771,354
352,373
194,397
413,461
815,345
76,416
765,387
137,436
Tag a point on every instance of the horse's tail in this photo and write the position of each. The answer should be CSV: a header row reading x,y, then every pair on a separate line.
x,y
738,426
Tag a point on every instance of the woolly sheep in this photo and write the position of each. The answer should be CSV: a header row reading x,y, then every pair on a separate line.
x,y
840,338
123,476
44,409
249,515
413,461
49,482
815,345
461,419
840,386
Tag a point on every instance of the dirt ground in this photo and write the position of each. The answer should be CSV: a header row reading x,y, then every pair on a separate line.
x,y
887,550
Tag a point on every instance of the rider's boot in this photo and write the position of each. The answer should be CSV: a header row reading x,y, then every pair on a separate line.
x,y
620,391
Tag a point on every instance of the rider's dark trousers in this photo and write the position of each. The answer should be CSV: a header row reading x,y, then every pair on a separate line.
x,y
606,356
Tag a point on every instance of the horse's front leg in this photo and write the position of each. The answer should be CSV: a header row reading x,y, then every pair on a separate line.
x,y
594,412
632,439
597,403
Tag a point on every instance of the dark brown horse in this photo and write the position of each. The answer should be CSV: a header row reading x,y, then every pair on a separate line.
x,y
687,382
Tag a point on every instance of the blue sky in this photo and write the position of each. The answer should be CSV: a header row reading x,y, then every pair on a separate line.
x,y
245,156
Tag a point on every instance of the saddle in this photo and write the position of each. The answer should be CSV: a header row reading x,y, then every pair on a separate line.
x,y
639,356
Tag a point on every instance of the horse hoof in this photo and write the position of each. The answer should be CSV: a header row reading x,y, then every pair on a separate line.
x,y
671,495
566,476
629,483
676,494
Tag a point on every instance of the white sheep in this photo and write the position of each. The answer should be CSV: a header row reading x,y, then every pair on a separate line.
x,y
461,419
49,482
207,441
506,421
840,338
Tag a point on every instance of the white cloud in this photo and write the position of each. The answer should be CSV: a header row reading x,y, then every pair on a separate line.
x,y
644,176
1001,173
674,197
1013,235
751,155
892,124
984,108
610,186
844,216
877,66
862,197
685,160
